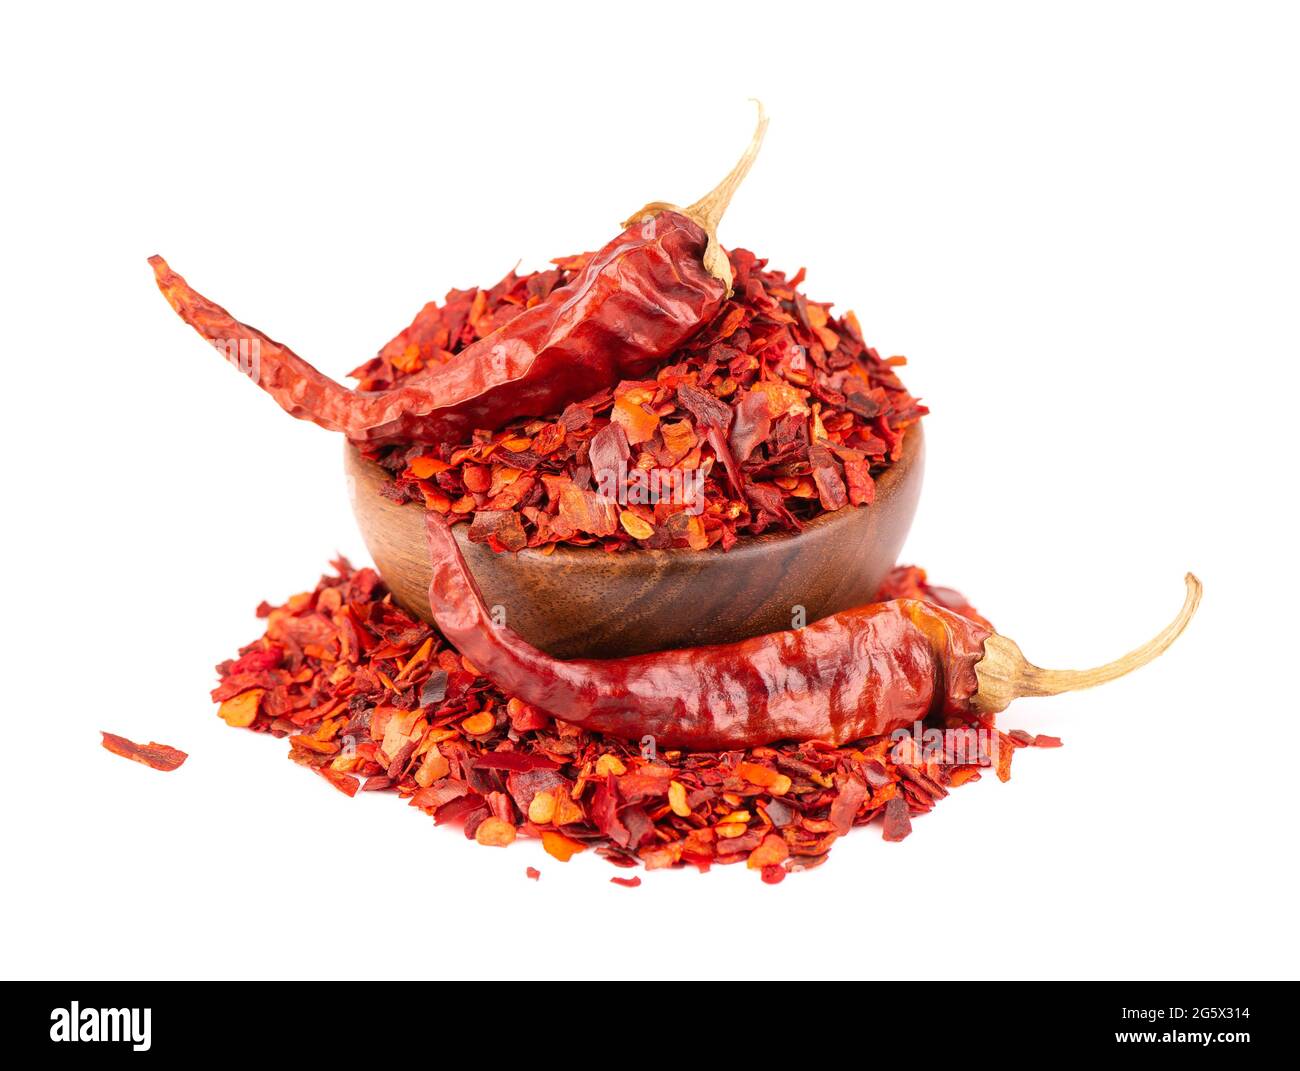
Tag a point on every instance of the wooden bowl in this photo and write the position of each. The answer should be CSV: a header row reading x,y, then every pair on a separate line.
x,y
583,602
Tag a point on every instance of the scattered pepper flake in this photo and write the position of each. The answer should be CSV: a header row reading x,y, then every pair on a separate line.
x,y
478,724
898,823
677,799
154,755
635,526
560,846
771,851
240,711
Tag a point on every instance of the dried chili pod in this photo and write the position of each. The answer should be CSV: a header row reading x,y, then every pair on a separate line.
x,y
633,304
864,672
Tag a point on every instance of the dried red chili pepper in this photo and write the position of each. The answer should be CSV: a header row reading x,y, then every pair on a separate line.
x,y
632,305
155,756
859,673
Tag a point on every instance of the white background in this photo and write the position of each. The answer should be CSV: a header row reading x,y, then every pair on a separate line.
x,y
1080,224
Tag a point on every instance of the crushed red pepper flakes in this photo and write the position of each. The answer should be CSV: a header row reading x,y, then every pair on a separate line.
x,y
371,697
778,407
155,756
627,883
898,822
532,873
239,710
559,846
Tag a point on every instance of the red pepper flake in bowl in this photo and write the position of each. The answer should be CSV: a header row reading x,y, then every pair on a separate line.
x,y
366,693
155,756
775,412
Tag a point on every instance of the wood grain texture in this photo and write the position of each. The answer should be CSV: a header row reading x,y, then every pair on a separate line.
x,y
580,602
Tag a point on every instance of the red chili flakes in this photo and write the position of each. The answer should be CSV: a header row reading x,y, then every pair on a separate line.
x,y
374,700
627,883
345,783
1006,749
559,846
898,822
774,413
155,756
771,851
862,489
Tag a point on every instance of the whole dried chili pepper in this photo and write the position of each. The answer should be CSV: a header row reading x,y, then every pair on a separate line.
x,y
860,673
633,304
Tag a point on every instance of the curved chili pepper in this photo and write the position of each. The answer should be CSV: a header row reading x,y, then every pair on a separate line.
x,y
860,673
632,306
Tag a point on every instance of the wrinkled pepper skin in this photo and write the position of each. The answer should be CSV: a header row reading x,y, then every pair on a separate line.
x,y
859,673
634,303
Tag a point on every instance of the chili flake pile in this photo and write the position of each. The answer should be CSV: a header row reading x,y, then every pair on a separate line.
x,y
372,699
778,408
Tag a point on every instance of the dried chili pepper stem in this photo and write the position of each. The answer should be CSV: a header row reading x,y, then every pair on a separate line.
x,y
707,212
1005,674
